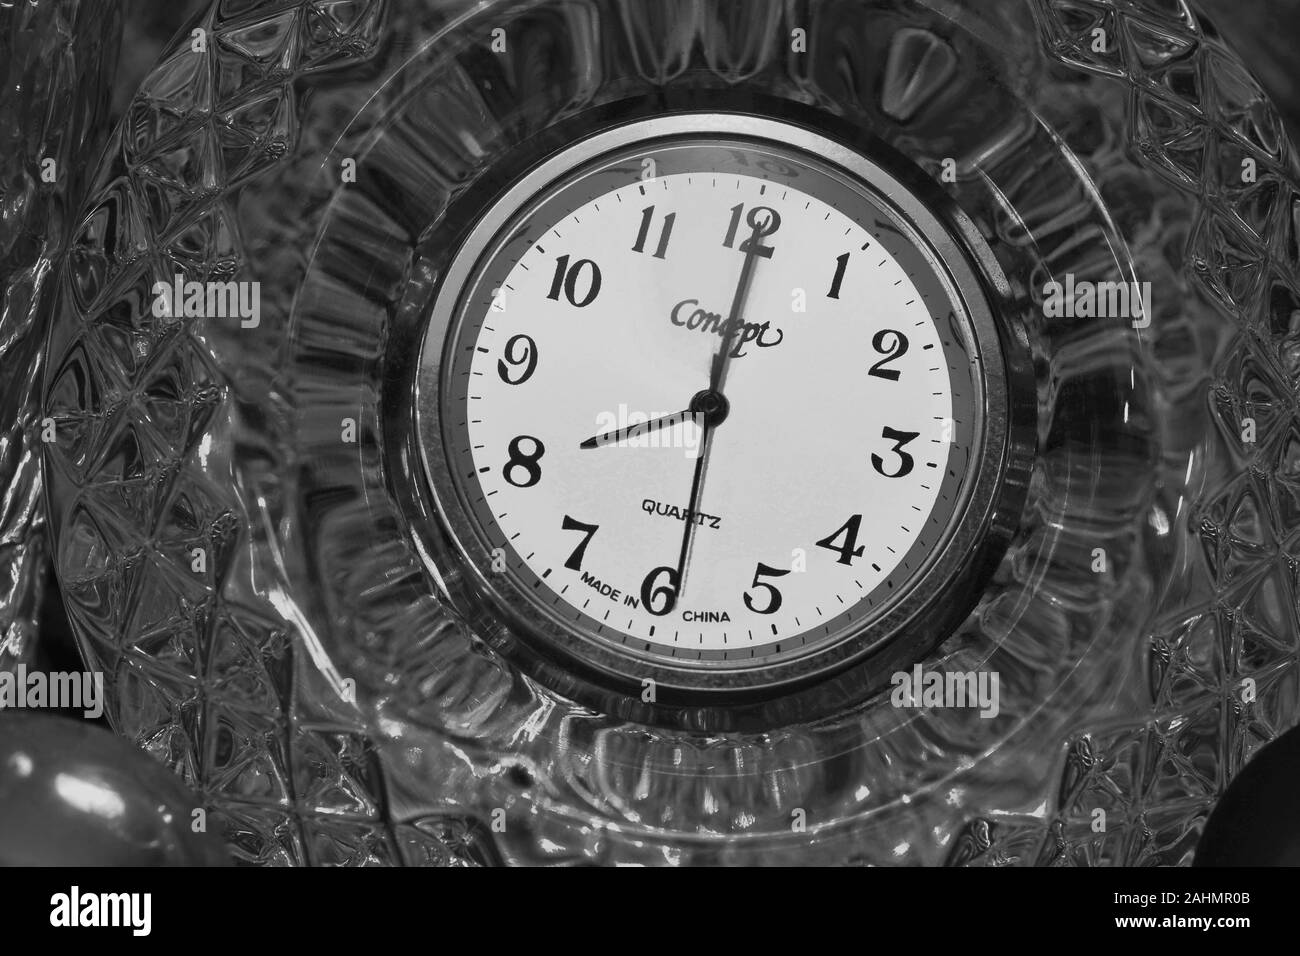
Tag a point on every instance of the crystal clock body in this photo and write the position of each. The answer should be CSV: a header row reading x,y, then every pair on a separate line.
x,y
714,407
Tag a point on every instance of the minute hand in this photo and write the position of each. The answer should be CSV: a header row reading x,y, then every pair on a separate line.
x,y
722,358
717,376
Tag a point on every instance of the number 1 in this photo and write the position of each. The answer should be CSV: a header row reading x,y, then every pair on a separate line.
x,y
842,263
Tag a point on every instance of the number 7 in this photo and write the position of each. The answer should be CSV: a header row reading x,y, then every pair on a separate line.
x,y
575,560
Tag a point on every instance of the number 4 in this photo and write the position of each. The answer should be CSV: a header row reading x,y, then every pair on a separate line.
x,y
850,549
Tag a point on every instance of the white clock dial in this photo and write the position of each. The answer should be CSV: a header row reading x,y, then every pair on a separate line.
x,y
707,402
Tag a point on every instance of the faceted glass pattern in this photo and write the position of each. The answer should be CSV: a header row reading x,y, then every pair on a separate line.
x,y
1122,690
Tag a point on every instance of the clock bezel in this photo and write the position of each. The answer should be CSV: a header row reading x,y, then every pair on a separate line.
x,y
956,570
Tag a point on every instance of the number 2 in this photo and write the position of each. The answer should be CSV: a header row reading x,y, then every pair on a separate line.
x,y
890,350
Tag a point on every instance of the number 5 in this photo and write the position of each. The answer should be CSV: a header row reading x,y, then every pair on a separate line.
x,y
774,602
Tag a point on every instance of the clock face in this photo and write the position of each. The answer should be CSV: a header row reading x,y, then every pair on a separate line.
x,y
708,405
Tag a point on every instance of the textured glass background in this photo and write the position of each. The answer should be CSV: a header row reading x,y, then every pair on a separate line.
x,y
57,59
212,690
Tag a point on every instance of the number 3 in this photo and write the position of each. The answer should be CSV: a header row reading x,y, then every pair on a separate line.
x,y
905,460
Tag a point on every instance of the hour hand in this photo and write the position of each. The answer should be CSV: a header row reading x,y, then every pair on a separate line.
x,y
640,428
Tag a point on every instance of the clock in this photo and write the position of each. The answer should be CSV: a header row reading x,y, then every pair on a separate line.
x,y
713,408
